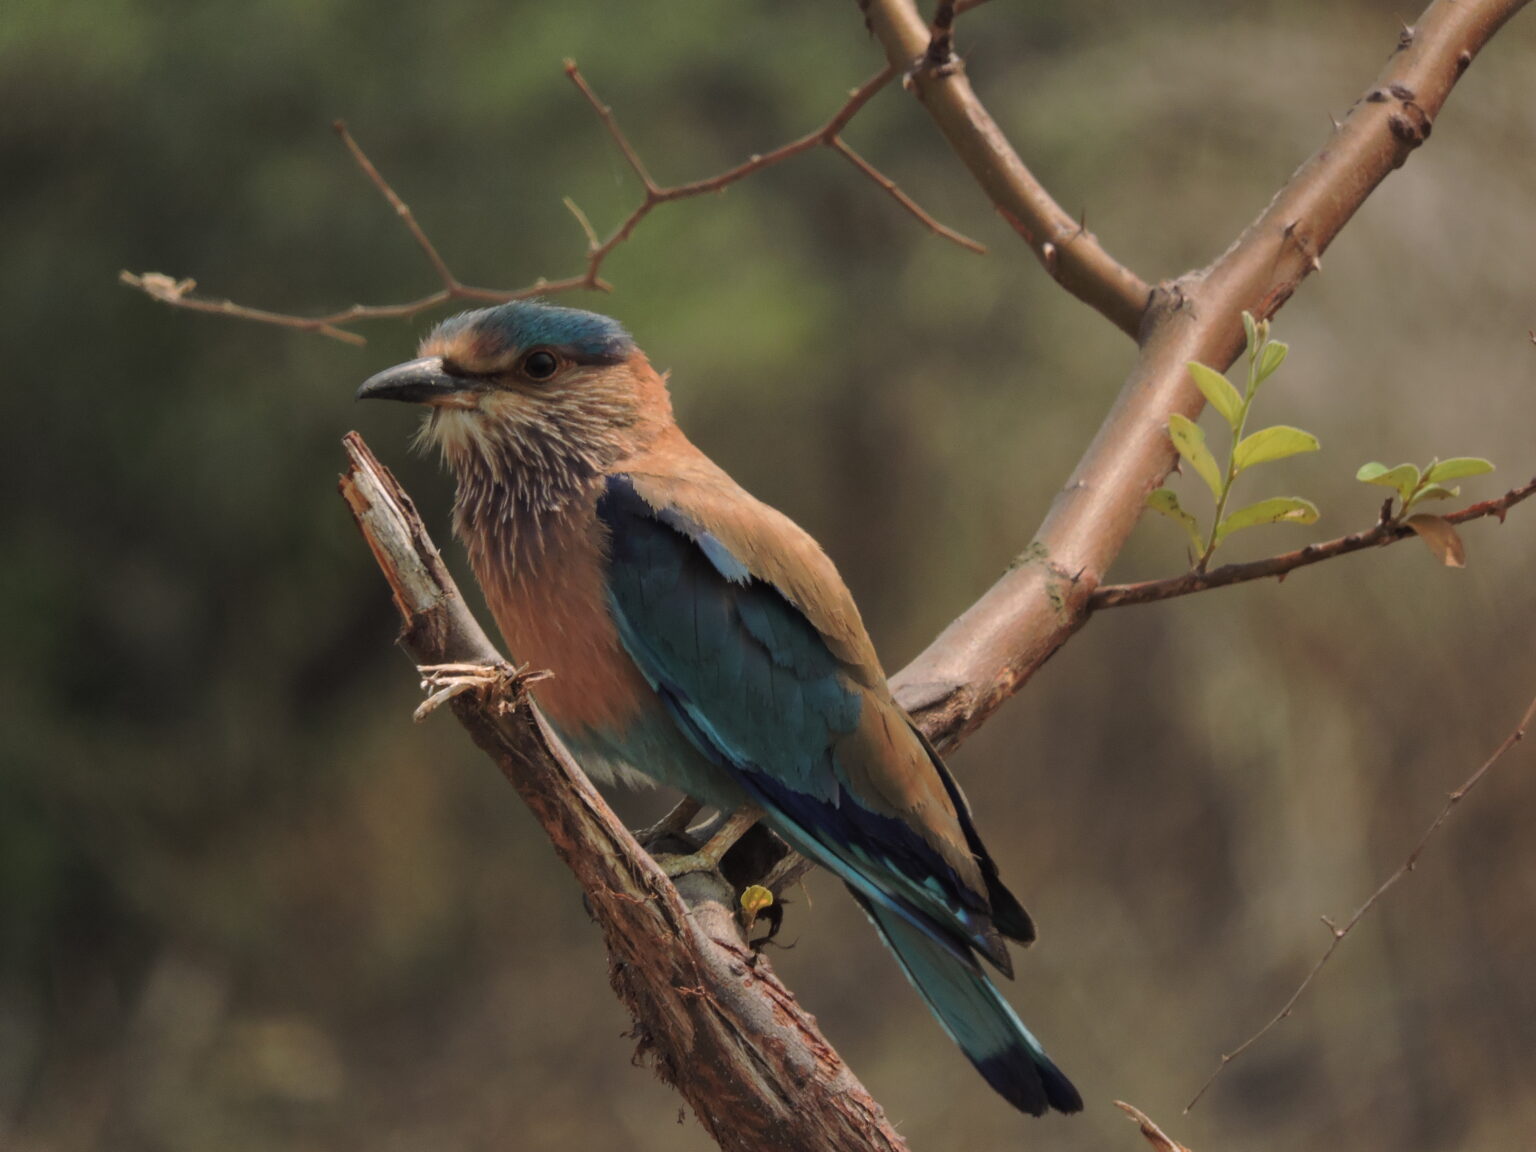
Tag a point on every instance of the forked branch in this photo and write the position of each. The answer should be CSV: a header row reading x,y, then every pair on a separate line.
x,y
1068,251
181,293
986,655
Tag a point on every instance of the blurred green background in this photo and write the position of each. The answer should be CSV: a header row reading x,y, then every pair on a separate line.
x,y
246,904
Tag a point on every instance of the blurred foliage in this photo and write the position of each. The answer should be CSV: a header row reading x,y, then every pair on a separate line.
x,y
245,904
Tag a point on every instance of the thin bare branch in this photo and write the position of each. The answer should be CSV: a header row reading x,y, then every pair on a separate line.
x,y
1337,934
710,1014
827,136
586,225
610,122
1160,1140
1387,531
179,293
1071,255
902,198
402,210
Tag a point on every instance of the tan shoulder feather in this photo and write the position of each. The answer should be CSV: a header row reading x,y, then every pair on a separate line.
x,y
671,472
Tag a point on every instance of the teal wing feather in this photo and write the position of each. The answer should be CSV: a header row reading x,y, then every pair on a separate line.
x,y
757,690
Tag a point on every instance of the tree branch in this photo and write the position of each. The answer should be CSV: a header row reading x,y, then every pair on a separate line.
x,y
996,645
179,293
1386,531
941,38
1067,250
1338,934
709,1013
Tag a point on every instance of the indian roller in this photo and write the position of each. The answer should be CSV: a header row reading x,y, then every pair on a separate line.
x,y
699,638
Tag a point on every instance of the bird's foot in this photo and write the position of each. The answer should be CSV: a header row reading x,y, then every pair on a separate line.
x,y
499,681
674,823
678,866
707,858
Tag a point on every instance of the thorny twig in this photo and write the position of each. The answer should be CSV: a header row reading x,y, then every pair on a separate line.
x,y
181,293
1386,531
1339,933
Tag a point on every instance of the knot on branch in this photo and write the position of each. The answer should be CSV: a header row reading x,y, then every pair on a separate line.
x,y
1411,126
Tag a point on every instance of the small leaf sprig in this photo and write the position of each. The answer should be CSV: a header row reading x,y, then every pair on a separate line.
x,y
1413,486
1267,444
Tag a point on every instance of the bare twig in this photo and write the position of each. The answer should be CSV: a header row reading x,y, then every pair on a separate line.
x,y
1160,1140
179,293
827,136
1071,255
709,1013
1386,531
402,210
1337,933
837,145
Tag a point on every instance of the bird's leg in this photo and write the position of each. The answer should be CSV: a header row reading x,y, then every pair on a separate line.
x,y
499,680
673,823
707,858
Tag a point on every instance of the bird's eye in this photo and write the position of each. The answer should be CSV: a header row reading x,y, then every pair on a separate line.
x,y
540,365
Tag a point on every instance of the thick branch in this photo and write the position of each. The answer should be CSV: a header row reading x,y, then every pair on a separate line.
x,y
990,651
180,293
1386,531
709,1012
1069,252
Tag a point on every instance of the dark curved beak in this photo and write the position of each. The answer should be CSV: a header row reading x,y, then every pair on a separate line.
x,y
416,382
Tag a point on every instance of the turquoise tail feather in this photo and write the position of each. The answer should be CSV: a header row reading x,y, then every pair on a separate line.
x,y
976,1016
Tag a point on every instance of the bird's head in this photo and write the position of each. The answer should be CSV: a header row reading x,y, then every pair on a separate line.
x,y
529,401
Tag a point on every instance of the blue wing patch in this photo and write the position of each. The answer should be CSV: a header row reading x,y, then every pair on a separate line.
x,y
754,687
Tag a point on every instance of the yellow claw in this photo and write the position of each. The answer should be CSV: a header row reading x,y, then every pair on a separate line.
x,y
754,898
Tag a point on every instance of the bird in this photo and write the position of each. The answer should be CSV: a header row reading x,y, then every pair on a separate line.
x,y
699,638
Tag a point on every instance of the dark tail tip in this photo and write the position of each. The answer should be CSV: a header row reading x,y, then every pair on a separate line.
x,y
1060,1092
1030,1083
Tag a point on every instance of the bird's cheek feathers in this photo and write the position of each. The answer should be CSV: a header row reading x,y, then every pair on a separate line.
x,y
506,407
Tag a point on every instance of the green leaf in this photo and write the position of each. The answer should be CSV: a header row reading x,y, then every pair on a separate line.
x,y
1275,510
1274,443
1405,478
1436,492
1273,356
1166,501
1190,441
1218,391
1251,330
1457,468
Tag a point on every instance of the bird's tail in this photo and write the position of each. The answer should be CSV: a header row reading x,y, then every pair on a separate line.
x,y
976,1016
